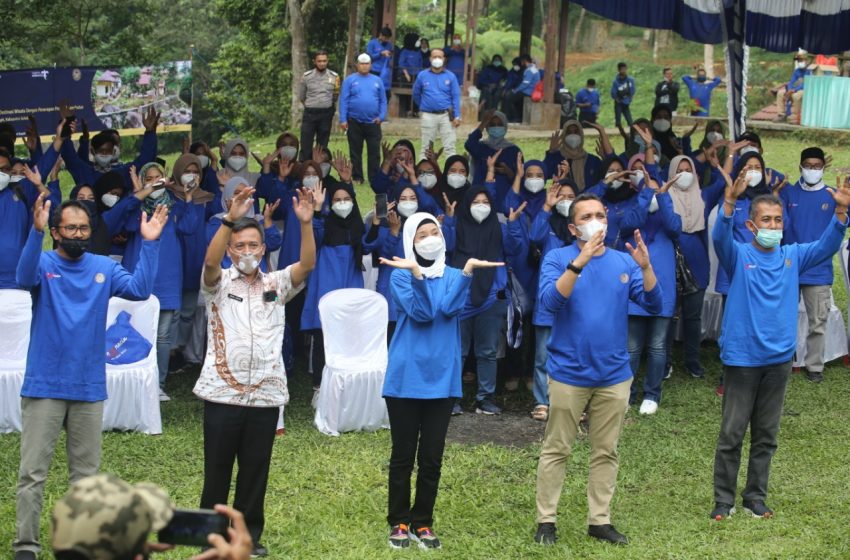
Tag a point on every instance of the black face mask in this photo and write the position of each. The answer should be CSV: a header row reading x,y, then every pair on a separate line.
x,y
74,247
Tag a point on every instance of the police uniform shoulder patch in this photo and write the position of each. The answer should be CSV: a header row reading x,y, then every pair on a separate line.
x,y
332,73
308,72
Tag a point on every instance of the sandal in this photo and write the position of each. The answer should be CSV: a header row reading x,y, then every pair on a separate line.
x,y
540,412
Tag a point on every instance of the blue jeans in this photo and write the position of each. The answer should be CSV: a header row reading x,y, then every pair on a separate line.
x,y
620,111
541,376
485,329
163,343
691,317
652,333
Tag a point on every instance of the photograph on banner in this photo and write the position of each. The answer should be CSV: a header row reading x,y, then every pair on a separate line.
x,y
105,97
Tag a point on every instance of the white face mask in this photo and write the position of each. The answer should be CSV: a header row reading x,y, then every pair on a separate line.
x,y
480,211
685,180
456,180
637,177
417,44
653,205
236,162
535,184
205,161
456,42
326,168
430,248
812,176
749,149
425,49
399,167
157,193
713,137
753,177
189,180
15,179
427,180
310,181
407,208
247,263
288,152
591,90
103,159
516,68
563,207
342,208
4,180
616,184
590,229
572,140
661,125
437,62
109,200
800,64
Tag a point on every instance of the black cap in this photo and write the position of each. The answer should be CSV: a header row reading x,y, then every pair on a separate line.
x,y
386,31
813,152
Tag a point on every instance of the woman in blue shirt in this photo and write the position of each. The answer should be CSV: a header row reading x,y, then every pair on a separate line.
x,y
569,146
423,373
339,262
481,149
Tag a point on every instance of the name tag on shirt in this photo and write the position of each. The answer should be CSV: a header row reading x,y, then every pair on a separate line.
x,y
232,296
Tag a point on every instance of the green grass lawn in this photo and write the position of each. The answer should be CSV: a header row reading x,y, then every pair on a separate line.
x,y
327,496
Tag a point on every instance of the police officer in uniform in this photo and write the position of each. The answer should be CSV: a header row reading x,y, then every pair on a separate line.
x,y
319,89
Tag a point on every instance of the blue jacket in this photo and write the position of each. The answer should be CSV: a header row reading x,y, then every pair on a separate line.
x,y
66,357
701,93
491,76
424,354
795,83
362,99
760,321
455,61
810,213
530,77
479,152
410,60
584,95
84,172
623,89
381,65
437,91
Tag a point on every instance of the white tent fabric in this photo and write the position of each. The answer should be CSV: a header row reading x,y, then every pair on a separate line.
x,y
15,326
354,322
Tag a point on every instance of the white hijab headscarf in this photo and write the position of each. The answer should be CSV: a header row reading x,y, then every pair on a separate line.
x,y
410,227
227,194
687,203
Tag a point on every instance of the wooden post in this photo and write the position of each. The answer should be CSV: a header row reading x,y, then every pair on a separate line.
x,y
526,27
550,65
563,28
469,59
377,23
388,18
351,48
708,61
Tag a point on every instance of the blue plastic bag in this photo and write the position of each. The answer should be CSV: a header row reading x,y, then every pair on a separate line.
x,y
124,344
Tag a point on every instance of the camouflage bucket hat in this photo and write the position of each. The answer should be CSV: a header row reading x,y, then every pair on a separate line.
x,y
103,517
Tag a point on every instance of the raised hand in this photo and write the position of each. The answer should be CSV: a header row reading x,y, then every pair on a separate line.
x,y
491,161
223,177
343,167
562,172
41,212
85,128
151,119
597,242
555,141
134,178
644,134
303,205
778,188
711,157
65,109
666,186
268,210
552,197
152,228
473,264
386,151
266,162
617,176
431,155
514,214
318,153
736,188
33,175
318,197
841,194
240,204
640,254
404,264
449,206
394,221
284,168
485,119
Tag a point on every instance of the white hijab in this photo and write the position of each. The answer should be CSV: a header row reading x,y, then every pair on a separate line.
x,y
410,226
687,203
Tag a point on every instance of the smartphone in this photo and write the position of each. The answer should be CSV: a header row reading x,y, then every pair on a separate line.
x,y
66,130
190,527
381,206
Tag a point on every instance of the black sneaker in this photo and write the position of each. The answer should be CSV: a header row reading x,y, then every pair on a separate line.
x,y
722,511
425,537
697,374
607,533
546,534
758,509
259,551
814,376
456,409
399,536
487,407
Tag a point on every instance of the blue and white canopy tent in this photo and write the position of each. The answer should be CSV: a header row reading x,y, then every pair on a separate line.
x,y
818,26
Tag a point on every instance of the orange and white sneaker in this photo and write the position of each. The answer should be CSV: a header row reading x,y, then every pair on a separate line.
x,y
426,538
399,536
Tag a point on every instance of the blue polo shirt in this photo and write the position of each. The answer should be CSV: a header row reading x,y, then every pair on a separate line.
x,y
362,99
437,91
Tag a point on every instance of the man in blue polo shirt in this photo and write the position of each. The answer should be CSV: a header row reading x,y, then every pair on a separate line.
x,y
438,95
809,206
515,99
700,90
587,101
587,288
65,379
759,335
362,109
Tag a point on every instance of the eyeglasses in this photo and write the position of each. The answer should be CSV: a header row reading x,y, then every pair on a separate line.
x,y
253,247
71,230
816,167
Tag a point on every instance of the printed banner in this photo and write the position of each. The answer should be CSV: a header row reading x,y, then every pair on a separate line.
x,y
103,97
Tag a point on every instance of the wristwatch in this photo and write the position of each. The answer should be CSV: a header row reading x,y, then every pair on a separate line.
x,y
573,268
227,223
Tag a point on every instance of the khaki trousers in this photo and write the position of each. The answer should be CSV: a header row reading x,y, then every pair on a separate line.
x,y
606,411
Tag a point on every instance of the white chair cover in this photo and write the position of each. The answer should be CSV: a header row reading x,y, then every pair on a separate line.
x,y
836,334
370,274
133,389
15,325
712,305
354,322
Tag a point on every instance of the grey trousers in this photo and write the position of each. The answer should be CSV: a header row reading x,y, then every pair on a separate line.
x,y
42,421
754,397
816,300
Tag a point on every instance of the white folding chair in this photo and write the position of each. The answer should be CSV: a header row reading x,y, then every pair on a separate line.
x,y
15,323
354,323
133,389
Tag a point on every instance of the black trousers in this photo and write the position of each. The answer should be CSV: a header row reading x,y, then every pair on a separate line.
x,y
317,355
753,398
245,434
315,126
418,429
357,133
512,106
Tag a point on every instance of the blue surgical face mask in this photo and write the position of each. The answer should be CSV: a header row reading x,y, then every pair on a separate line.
x,y
497,132
769,238
701,78
497,63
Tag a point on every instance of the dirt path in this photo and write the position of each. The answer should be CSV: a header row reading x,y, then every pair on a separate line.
x,y
509,429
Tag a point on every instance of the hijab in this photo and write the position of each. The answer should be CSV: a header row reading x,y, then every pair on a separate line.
x,y
250,177
227,194
99,242
497,144
434,270
149,204
577,157
453,194
480,241
199,195
434,192
559,222
667,138
105,183
687,203
762,188
626,190
534,201
345,231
